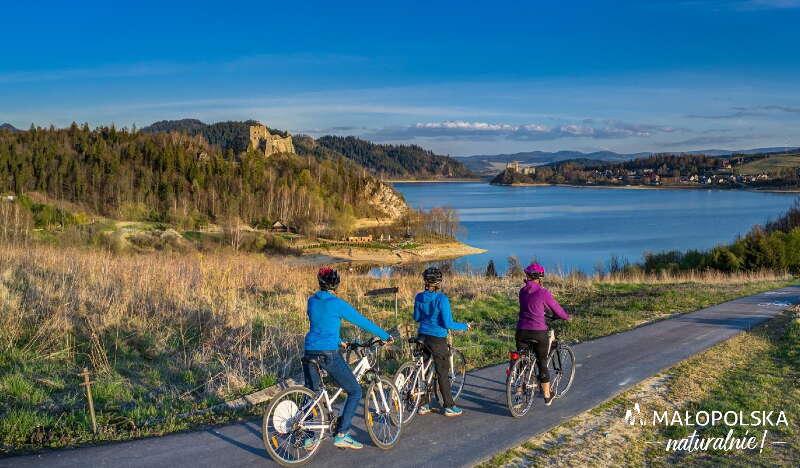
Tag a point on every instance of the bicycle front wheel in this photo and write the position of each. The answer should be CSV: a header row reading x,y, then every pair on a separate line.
x,y
458,372
561,367
408,385
293,426
520,387
383,412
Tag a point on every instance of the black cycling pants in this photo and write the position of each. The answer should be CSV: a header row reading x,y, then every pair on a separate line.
x,y
538,342
441,361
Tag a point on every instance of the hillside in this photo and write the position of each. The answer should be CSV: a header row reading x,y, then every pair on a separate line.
x,y
779,171
773,165
396,161
9,127
184,180
230,135
492,164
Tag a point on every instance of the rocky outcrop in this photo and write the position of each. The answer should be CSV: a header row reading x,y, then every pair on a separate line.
x,y
263,141
386,200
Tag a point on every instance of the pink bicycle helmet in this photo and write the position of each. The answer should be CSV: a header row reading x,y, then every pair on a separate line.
x,y
534,270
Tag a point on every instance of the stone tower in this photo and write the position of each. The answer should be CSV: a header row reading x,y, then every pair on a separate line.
x,y
263,141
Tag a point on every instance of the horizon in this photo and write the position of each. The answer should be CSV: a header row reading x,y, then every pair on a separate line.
x,y
651,78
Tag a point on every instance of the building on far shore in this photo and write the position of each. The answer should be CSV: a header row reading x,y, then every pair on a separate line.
x,y
516,166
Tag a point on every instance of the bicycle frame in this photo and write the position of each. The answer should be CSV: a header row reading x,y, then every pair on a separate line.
x,y
422,366
361,369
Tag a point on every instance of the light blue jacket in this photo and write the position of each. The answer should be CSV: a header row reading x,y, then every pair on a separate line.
x,y
325,312
432,311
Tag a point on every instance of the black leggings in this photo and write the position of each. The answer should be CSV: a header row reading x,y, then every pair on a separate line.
x,y
537,341
441,361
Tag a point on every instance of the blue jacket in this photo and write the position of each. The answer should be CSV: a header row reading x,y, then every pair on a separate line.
x,y
325,312
432,311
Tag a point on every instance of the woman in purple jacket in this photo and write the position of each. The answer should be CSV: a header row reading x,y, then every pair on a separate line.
x,y
532,330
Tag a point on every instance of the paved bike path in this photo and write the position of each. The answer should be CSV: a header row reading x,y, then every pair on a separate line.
x,y
606,367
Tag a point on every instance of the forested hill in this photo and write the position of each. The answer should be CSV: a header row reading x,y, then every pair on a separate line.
x,y
396,161
231,135
182,179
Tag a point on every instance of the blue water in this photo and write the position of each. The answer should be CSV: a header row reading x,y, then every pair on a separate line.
x,y
568,228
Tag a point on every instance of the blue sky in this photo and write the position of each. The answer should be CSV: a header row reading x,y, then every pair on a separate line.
x,y
457,77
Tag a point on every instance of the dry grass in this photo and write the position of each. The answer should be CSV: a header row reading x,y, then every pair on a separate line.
x,y
168,333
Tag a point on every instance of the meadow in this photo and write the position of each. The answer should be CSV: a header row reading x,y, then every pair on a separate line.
x,y
164,334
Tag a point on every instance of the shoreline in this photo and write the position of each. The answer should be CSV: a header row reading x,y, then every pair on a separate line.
x,y
651,187
425,253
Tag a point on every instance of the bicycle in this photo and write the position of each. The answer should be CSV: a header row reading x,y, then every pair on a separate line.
x,y
297,414
415,378
523,376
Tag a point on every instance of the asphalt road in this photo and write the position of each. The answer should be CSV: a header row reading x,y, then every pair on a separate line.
x,y
606,367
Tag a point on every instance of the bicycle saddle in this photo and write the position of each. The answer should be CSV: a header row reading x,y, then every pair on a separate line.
x,y
310,360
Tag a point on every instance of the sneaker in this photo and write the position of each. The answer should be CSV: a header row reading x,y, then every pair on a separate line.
x,y
424,409
549,401
346,441
453,411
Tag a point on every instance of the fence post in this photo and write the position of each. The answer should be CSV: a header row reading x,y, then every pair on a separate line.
x,y
88,384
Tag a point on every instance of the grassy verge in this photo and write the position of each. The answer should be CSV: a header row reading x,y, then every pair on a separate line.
x,y
756,370
165,334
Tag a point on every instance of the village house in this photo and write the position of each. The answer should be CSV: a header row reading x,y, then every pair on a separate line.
x,y
278,226
359,239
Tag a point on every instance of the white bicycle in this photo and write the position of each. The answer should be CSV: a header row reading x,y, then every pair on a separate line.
x,y
297,419
415,378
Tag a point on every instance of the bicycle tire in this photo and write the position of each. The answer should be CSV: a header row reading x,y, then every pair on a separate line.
x,y
410,394
275,425
515,387
563,377
384,429
457,376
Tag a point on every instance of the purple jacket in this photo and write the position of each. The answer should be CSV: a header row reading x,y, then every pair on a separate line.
x,y
533,301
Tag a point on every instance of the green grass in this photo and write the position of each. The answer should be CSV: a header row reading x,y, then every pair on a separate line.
x,y
771,165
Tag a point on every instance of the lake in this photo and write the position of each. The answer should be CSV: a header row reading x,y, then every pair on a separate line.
x,y
568,228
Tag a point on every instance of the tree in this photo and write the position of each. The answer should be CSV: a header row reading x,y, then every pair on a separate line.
x,y
491,272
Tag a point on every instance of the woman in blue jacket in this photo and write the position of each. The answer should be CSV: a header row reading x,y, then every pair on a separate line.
x,y
432,312
325,314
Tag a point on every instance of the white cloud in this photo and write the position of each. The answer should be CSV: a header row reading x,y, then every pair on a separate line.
x,y
461,129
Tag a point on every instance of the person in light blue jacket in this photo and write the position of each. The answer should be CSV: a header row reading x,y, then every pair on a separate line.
x,y
325,314
432,312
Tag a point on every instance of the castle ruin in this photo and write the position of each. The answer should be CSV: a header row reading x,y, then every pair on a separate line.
x,y
263,141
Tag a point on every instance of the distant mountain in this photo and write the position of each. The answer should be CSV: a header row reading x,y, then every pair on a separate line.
x,y
9,127
719,152
396,161
492,164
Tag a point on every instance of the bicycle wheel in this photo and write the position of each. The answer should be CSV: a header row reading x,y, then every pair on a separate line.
x,y
409,388
383,412
458,373
291,418
561,367
520,386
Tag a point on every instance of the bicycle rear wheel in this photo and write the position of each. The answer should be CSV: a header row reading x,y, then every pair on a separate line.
x,y
383,412
282,429
409,388
520,386
561,367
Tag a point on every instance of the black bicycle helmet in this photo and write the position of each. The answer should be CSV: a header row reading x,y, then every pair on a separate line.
x,y
432,276
328,279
